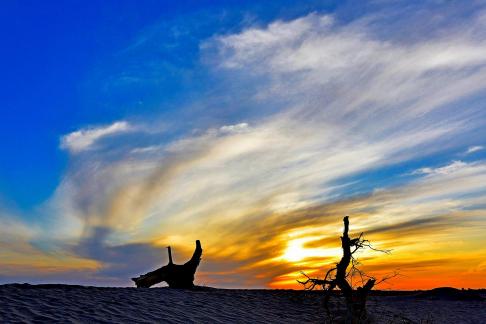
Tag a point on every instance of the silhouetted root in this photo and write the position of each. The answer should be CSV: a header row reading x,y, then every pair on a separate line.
x,y
176,276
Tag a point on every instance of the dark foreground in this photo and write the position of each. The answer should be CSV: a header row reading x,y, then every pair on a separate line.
x,y
77,304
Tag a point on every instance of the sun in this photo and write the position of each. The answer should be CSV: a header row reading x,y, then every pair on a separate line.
x,y
297,251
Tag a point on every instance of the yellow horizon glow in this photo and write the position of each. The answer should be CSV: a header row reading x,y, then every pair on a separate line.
x,y
433,242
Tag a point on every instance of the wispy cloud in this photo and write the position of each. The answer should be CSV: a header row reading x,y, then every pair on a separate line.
x,y
85,138
353,103
237,128
451,168
473,149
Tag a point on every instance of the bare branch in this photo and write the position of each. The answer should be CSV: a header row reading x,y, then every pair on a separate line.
x,y
388,277
311,283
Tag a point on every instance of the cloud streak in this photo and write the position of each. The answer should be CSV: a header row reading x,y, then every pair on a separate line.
x,y
474,149
85,138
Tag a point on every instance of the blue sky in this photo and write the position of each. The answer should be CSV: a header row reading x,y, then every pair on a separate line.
x,y
70,64
122,120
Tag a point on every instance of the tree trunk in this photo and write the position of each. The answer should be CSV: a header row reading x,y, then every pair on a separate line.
x,y
176,276
355,299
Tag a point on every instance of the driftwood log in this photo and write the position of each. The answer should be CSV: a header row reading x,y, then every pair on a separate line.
x,y
176,275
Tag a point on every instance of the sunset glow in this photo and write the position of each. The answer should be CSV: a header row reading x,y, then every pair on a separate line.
x,y
253,130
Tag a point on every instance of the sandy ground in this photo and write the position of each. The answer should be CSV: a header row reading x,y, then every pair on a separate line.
x,y
411,310
77,304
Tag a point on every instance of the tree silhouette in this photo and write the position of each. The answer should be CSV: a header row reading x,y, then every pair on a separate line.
x,y
340,277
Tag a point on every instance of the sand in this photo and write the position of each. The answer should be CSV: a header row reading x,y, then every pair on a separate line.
x,y
78,304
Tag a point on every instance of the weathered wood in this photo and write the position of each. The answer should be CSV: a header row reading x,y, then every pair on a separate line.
x,y
176,275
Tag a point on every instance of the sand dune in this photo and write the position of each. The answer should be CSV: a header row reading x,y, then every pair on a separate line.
x,y
78,304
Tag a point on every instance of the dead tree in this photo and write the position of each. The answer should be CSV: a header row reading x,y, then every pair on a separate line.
x,y
340,277
176,275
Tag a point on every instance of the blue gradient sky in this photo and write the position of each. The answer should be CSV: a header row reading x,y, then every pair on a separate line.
x,y
69,64
130,125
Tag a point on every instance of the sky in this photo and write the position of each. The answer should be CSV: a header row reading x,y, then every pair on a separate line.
x,y
253,126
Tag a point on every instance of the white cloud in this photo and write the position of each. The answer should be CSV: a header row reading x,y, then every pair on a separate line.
x,y
146,149
237,128
455,166
353,71
246,47
316,42
85,138
473,149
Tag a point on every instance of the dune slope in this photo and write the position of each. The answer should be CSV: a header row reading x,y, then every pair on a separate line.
x,y
78,304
